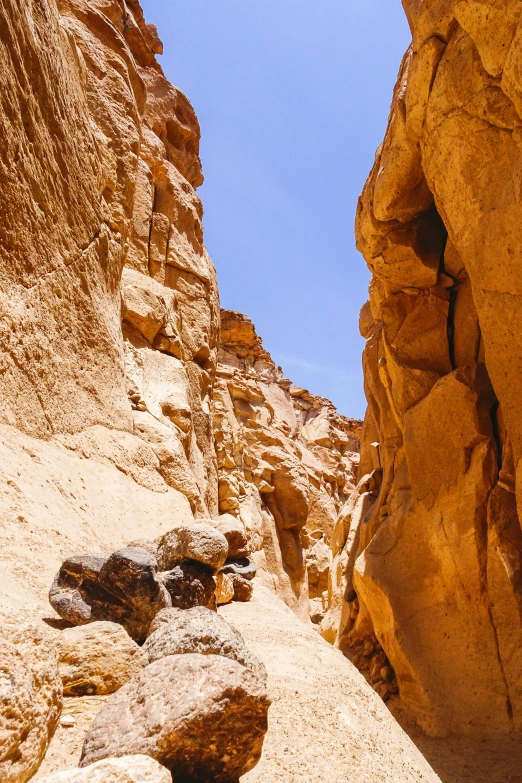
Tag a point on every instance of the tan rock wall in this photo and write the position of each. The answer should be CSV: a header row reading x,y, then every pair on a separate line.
x,y
286,463
98,167
433,561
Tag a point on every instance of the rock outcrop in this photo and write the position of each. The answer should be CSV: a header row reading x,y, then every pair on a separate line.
x,y
287,461
432,544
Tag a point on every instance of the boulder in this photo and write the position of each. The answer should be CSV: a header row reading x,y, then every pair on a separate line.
x,y
126,769
203,717
243,588
75,594
234,531
198,541
146,544
30,698
97,659
202,631
224,588
240,567
122,588
188,585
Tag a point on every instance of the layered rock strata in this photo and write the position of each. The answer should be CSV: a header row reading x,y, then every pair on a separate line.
x,y
432,544
286,460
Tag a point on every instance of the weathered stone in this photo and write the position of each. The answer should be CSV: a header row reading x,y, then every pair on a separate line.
x,y
122,588
243,588
201,631
199,542
224,588
234,531
126,769
97,659
202,716
188,585
30,698
241,567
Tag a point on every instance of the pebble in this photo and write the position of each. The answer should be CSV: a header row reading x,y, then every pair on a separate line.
x,y
67,721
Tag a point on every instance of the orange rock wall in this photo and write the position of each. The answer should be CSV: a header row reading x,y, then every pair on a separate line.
x,y
433,547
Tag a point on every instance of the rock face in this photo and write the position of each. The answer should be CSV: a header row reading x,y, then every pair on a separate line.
x,y
30,698
127,769
433,541
98,170
202,716
286,460
97,659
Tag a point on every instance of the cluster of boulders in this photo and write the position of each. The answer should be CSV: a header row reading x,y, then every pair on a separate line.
x,y
186,695
199,564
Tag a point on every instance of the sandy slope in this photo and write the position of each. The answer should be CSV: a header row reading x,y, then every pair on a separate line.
x,y
54,504
326,725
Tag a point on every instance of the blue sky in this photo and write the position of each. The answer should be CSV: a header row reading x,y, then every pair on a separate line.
x,y
292,97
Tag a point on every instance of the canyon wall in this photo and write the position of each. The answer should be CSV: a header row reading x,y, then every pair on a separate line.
x,y
287,462
111,321
432,543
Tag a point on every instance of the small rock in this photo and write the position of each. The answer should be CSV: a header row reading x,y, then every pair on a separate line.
x,y
202,631
198,541
243,588
67,721
97,659
203,717
126,769
188,585
224,588
241,566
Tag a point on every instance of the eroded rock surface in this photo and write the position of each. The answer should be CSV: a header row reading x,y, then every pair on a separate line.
x,y
30,697
432,542
287,461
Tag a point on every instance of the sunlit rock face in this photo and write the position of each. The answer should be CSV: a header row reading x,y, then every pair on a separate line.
x,y
286,461
99,166
433,547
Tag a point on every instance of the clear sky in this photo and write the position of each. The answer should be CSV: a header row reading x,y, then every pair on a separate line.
x,y
292,97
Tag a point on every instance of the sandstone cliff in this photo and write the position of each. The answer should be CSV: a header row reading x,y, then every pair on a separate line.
x,y
120,424
432,544
287,461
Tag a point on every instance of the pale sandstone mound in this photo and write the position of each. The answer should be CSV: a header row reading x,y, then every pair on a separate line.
x,y
30,697
433,547
201,716
325,722
127,769
97,659
287,463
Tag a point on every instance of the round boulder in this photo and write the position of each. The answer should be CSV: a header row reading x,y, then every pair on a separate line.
x,y
198,541
97,659
204,717
199,630
234,531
